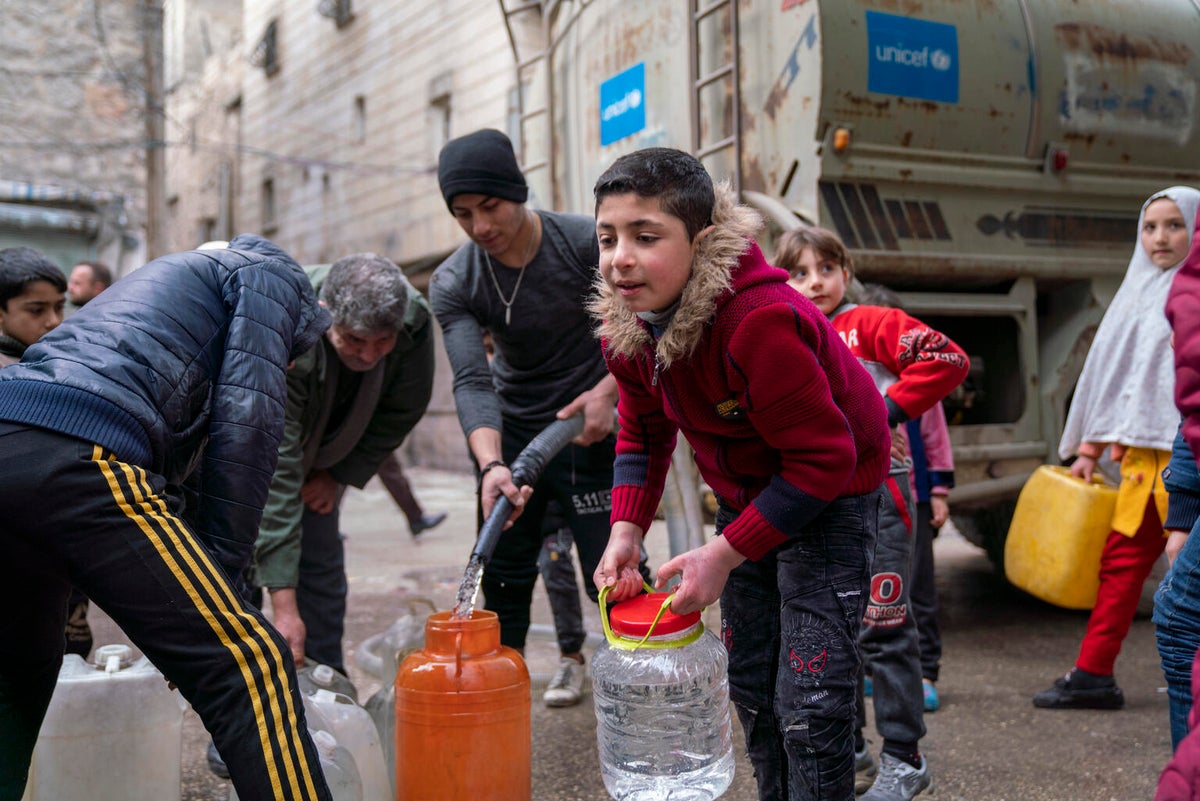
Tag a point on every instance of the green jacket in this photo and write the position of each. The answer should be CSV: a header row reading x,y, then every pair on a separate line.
x,y
390,401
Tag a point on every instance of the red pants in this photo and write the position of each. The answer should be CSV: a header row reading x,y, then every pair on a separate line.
x,y
1124,566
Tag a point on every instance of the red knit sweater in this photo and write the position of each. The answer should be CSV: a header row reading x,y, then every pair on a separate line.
x,y
913,365
1183,312
782,417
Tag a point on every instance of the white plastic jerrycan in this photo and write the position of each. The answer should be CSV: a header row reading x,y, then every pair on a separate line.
x,y
113,732
313,676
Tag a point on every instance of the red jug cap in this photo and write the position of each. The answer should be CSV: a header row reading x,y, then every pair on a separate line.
x,y
633,618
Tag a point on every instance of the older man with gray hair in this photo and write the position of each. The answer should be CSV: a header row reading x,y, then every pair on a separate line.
x,y
351,402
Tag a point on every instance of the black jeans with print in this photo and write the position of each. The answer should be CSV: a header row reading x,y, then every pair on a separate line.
x,y
790,622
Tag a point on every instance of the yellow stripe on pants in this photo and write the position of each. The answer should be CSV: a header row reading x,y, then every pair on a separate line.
x,y
170,537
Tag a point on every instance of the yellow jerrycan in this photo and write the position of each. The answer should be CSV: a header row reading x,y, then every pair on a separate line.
x,y
1057,535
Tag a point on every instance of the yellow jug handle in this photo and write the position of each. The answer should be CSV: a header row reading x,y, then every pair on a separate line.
x,y
1098,479
626,645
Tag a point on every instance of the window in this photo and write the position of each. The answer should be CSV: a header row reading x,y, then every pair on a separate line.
x,y
438,115
269,223
340,11
360,119
266,53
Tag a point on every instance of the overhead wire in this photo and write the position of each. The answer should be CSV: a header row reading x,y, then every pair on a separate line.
x,y
135,87
219,147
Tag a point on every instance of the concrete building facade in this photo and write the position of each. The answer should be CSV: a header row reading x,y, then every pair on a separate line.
x,y
319,125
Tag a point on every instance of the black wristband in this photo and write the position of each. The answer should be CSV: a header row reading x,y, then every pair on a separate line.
x,y
483,471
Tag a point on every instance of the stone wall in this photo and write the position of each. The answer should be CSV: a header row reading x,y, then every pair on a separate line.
x,y
335,151
73,100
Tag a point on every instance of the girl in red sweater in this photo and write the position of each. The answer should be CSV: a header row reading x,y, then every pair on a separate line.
x,y
914,367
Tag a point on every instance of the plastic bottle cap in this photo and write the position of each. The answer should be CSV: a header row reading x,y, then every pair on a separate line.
x,y
112,658
325,742
323,675
633,618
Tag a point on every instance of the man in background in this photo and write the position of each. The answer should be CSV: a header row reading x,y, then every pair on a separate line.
x,y
87,280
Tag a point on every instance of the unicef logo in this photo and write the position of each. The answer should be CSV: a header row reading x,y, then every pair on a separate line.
x,y
924,58
631,101
909,57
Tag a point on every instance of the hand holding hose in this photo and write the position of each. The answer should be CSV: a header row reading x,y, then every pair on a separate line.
x,y
499,507
498,482
597,405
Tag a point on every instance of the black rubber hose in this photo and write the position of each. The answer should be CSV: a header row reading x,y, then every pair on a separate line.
x,y
526,469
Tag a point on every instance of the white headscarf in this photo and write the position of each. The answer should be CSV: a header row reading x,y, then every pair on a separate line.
x,y
1126,392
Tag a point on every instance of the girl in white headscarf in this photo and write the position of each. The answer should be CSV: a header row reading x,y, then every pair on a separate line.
x,y
1125,401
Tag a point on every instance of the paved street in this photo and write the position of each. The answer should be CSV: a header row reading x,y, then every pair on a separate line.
x,y
987,743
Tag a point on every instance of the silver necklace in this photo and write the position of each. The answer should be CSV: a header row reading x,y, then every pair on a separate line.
x,y
508,302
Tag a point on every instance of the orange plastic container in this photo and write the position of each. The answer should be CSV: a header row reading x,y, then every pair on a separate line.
x,y
462,715
1056,537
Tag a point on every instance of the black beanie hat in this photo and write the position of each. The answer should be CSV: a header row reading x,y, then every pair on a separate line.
x,y
481,163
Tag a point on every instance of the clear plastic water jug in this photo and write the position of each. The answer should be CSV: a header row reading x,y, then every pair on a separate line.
x,y
355,731
382,708
380,655
113,732
337,764
661,692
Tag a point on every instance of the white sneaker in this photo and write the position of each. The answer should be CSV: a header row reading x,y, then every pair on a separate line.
x,y
898,781
566,688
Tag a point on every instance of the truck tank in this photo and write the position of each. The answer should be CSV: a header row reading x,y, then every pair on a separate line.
x,y
986,159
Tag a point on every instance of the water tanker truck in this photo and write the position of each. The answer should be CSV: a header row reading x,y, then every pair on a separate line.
x,y
986,159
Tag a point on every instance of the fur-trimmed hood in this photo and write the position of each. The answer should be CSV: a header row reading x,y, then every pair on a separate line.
x,y
716,256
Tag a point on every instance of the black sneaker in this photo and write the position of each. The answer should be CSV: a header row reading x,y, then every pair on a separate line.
x,y
427,522
1100,692
215,763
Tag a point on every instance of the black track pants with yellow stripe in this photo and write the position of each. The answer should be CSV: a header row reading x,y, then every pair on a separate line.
x,y
71,514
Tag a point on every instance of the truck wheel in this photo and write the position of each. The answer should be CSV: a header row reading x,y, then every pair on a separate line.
x,y
992,524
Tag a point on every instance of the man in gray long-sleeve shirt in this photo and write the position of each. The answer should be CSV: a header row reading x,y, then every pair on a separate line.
x,y
526,278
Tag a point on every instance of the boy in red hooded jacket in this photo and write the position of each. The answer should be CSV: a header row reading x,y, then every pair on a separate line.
x,y
706,339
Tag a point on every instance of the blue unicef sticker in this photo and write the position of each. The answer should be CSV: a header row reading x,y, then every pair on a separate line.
x,y
912,57
623,104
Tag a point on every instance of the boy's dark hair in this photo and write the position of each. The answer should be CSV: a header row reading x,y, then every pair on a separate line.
x,y
825,243
20,267
100,271
683,187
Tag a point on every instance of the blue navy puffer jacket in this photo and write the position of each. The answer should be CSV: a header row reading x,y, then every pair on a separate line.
x,y
180,368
